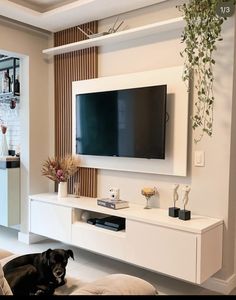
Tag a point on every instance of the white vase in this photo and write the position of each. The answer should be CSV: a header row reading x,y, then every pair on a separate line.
x,y
4,147
62,190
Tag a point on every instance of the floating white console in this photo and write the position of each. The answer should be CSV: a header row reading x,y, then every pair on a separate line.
x,y
118,37
188,250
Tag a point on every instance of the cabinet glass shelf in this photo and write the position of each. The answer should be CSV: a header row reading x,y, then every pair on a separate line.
x,y
9,66
7,97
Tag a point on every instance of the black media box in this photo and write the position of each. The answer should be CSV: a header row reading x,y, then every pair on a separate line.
x,y
112,223
92,221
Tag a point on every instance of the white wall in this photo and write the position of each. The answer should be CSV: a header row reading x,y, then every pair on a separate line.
x,y
12,119
209,185
36,115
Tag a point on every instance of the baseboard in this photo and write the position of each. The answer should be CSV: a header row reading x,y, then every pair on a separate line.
x,y
221,286
16,227
30,238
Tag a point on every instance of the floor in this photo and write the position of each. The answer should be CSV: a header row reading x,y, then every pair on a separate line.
x,y
88,266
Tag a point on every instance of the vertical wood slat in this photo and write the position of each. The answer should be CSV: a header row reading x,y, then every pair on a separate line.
x,y
88,182
73,66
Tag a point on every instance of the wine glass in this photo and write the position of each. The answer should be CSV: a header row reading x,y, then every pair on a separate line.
x,y
148,193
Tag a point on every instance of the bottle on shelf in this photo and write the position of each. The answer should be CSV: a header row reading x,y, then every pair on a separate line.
x,y
5,83
17,86
11,84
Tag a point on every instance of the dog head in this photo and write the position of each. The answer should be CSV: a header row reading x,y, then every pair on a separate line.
x,y
57,260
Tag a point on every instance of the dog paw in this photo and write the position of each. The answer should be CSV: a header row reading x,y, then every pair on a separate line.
x,y
62,282
39,292
45,290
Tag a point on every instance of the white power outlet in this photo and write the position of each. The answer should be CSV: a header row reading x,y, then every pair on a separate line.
x,y
199,159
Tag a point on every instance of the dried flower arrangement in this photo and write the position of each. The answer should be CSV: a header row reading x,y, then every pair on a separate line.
x,y
60,169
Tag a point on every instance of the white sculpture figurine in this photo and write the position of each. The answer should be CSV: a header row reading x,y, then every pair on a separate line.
x,y
185,199
175,193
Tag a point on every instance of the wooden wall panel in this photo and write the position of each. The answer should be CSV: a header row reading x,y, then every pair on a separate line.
x,y
73,66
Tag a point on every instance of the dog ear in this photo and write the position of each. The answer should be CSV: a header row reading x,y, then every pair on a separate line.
x,y
48,253
70,253
45,255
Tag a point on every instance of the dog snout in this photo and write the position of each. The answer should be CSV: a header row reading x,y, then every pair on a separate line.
x,y
59,272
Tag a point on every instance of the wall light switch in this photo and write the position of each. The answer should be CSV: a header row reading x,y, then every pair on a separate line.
x,y
199,159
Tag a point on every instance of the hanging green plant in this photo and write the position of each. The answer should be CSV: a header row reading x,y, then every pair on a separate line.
x,y
200,35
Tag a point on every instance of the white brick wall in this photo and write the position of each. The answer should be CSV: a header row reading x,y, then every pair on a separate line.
x,y
11,118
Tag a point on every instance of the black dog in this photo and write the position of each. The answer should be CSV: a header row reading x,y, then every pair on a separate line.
x,y
37,273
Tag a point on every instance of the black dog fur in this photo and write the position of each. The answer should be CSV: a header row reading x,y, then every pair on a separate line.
x,y
37,273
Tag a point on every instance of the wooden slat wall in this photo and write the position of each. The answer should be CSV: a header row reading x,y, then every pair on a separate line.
x,y
77,65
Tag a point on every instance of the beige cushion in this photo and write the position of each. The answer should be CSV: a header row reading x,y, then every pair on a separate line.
x,y
72,284
7,259
4,253
117,284
4,286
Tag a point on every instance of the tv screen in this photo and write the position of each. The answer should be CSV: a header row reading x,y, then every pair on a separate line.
x,y
124,123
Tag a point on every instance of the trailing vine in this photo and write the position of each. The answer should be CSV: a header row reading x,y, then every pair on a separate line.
x,y
200,35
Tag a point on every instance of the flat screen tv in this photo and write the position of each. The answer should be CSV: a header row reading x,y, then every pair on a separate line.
x,y
123,123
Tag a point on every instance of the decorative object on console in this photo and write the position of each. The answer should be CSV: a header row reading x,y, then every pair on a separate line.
x,y
60,169
183,213
174,211
148,193
76,190
4,146
92,35
114,193
114,204
200,35
85,216
62,189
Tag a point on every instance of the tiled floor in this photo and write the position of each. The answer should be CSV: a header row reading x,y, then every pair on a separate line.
x,y
89,266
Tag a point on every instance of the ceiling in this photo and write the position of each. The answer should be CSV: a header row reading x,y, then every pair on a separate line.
x,y
42,5
56,15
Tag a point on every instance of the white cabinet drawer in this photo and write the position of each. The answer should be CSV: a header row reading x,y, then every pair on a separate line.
x,y
162,249
51,220
100,240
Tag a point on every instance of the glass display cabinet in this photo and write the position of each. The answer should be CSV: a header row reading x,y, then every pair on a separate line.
x,y
9,78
